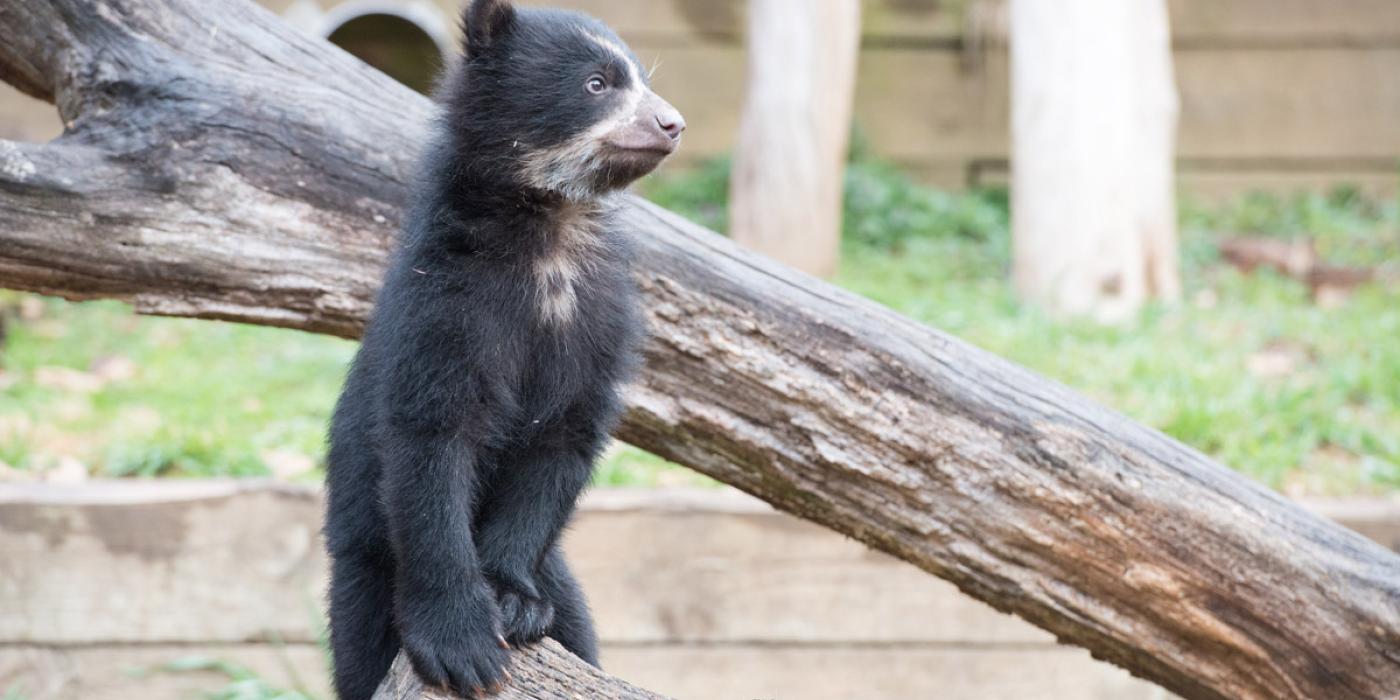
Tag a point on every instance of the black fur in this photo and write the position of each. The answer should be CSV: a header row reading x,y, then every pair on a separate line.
x,y
479,398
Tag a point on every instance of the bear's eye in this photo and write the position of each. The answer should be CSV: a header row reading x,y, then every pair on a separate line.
x,y
596,85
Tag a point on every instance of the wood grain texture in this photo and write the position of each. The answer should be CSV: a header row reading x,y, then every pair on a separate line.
x,y
698,594
1280,112
212,562
783,672
542,672
1266,109
141,671
940,22
737,672
220,165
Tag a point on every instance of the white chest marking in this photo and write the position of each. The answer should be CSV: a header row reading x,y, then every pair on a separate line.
x,y
559,273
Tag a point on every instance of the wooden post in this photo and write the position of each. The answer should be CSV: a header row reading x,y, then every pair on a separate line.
x,y
789,166
1094,118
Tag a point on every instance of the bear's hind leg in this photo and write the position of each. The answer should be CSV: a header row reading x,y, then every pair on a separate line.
x,y
573,623
363,639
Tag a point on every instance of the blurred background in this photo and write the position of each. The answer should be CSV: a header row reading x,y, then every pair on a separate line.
x,y
1187,210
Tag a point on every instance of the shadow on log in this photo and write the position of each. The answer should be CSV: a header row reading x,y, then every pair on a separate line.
x,y
218,164
542,672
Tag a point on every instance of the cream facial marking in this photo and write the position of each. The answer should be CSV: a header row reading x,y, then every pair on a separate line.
x,y
563,169
614,49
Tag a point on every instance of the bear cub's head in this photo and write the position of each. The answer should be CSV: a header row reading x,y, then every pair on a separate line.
x,y
554,101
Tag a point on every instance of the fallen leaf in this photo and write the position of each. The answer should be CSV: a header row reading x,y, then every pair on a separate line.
x,y
49,329
1270,364
138,420
1331,298
71,408
287,464
11,475
31,308
1278,359
67,471
113,368
1206,299
14,426
67,379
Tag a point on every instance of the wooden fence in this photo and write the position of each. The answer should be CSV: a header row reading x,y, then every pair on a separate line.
x,y
699,595
1276,94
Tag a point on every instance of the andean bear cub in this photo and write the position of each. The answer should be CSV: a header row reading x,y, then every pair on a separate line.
x,y
487,381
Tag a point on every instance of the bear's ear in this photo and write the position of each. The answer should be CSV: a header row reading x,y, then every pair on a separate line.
x,y
486,21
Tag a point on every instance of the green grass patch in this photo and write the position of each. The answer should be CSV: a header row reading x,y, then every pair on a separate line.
x,y
120,395
134,396
240,683
1247,368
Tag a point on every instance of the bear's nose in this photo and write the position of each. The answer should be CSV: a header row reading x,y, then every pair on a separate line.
x,y
655,128
671,122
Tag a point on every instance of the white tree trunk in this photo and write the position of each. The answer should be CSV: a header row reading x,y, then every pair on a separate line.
x,y
785,198
1094,121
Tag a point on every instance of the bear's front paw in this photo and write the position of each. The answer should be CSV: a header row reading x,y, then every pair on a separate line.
x,y
456,646
526,616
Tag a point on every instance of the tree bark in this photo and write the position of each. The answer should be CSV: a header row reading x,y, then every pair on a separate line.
x,y
785,196
220,165
542,672
1094,116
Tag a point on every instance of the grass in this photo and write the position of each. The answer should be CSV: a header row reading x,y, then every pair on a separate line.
x,y
1247,368
129,396
186,398
241,683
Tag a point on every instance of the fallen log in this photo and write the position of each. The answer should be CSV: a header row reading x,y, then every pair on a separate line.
x,y
219,165
542,672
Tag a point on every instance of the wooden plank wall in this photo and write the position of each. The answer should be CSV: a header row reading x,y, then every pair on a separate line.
x,y
700,595
1276,94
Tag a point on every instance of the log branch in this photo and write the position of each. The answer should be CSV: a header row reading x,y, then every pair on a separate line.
x,y
219,165
542,672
